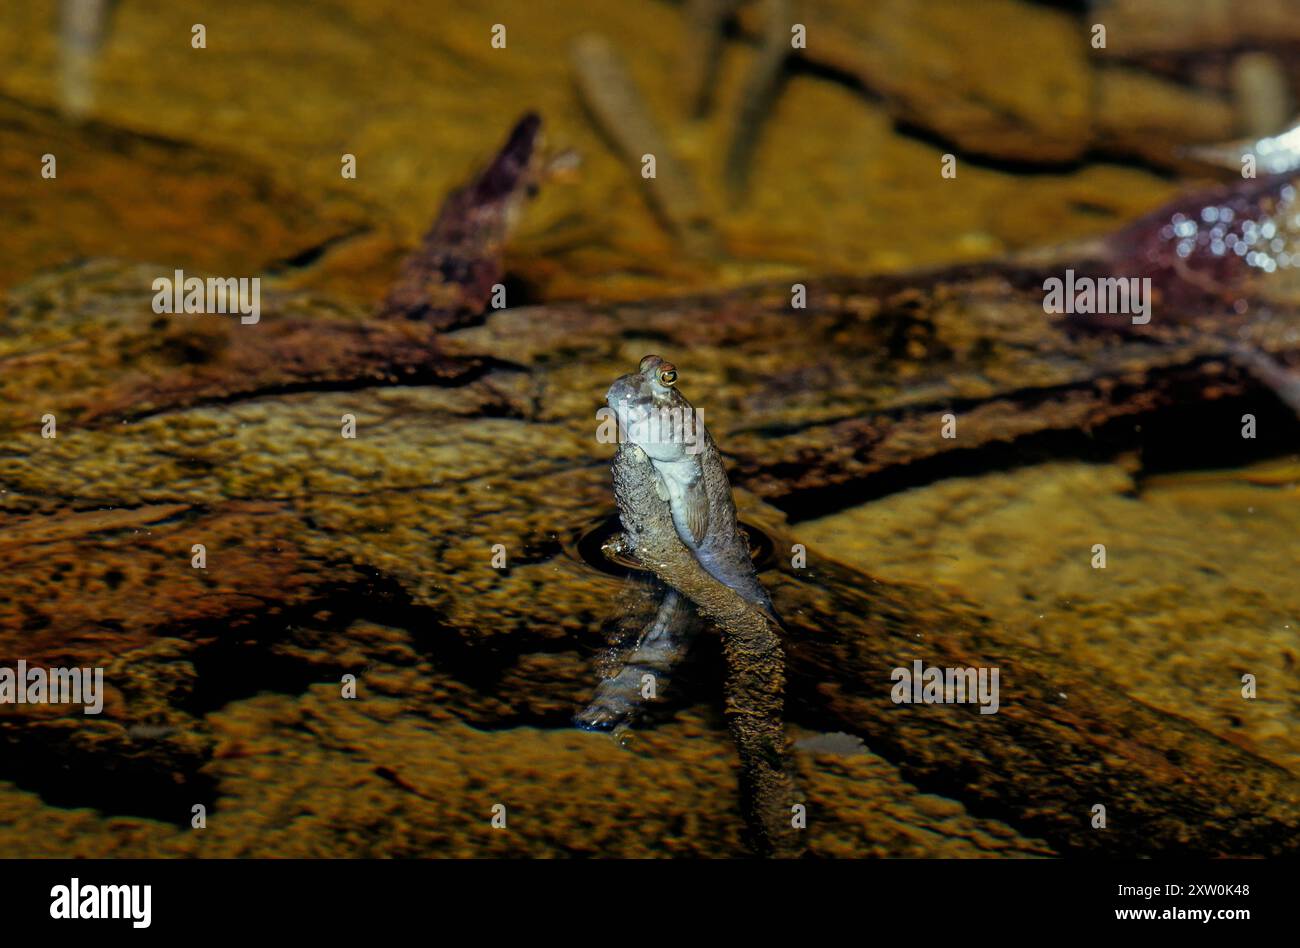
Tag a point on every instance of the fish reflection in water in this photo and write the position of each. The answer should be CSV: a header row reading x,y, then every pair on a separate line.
x,y
635,673
652,633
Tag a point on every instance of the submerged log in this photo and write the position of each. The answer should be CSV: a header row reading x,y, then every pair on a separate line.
x,y
178,430
1062,741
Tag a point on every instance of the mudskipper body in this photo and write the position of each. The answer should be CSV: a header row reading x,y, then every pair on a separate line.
x,y
654,417
679,518
659,426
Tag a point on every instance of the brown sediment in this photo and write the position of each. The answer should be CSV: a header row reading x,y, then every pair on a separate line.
x,y
133,196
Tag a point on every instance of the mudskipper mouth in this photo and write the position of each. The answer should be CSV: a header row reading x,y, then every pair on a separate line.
x,y
586,542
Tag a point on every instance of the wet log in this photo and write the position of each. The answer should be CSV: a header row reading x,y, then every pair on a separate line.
x,y
1063,739
180,430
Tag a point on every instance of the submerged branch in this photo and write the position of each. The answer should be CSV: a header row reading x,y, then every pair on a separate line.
x,y
751,644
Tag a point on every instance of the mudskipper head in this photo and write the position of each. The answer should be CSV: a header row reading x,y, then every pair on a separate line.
x,y
653,414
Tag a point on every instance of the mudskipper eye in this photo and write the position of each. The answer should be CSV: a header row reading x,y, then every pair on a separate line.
x,y
668,375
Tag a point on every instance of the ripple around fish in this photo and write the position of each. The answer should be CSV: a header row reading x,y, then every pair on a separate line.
x,y
587,541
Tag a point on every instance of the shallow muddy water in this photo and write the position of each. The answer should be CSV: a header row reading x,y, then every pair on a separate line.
x,y
384,648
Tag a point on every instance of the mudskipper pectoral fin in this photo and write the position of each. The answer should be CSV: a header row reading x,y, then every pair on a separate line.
x,y
695,511
618,549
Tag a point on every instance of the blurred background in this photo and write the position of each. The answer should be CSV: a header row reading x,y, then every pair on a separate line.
x,y
787,160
